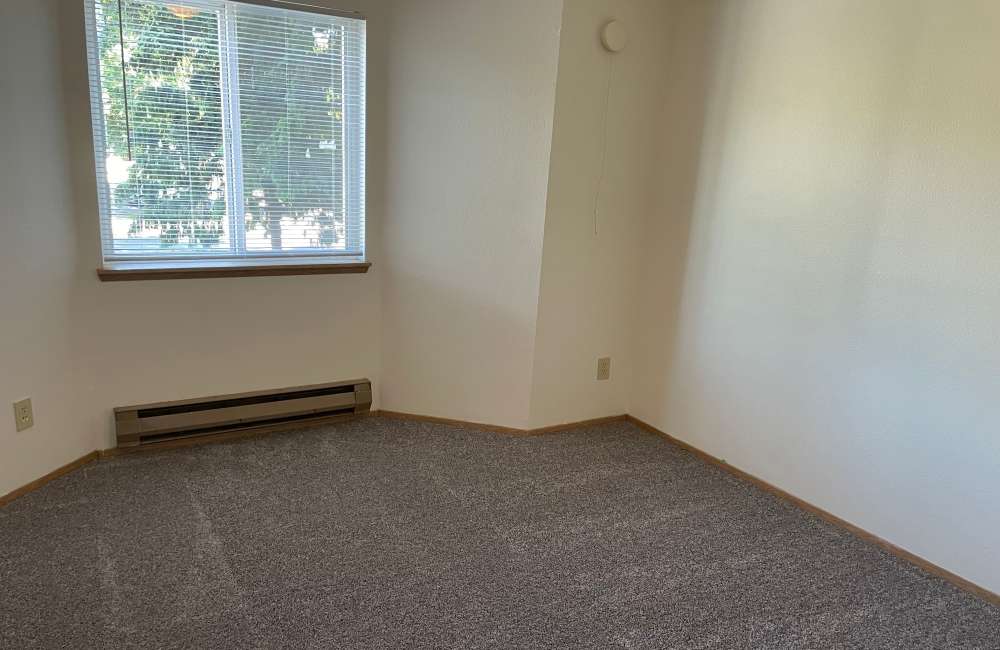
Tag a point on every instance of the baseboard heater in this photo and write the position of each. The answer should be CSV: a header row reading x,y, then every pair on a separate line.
x,y
282,408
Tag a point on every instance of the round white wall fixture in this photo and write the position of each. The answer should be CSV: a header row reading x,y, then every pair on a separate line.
x,y
613,36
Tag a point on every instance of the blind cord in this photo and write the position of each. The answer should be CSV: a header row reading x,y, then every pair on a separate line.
x,y
604,144
121,49
187,126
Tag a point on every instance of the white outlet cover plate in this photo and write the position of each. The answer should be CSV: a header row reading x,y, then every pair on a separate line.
x,y
24,417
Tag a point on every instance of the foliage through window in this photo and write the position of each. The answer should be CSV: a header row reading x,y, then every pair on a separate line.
x,y
227,131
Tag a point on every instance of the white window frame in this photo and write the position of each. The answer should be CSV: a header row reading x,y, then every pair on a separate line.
x,y
355,193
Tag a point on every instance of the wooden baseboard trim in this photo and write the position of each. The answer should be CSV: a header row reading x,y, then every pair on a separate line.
x,y
250,433
902,553
413,417
916,560
101,454
593,422
51,476
494,428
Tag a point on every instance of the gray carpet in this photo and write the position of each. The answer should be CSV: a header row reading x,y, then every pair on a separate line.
x,y
380,533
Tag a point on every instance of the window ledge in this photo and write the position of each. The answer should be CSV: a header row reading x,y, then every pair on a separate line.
x,y
140,272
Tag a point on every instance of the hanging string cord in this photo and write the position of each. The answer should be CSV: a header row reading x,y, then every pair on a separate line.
x,y
121,49
187,128
604,144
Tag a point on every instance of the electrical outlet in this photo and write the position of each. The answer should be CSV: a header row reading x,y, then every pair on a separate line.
x,y
603,368
24,417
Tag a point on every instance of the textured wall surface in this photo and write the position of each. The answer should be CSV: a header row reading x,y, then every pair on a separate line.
x,y
36,251
150,341
81,347
795,267
472,88
834,328
586,306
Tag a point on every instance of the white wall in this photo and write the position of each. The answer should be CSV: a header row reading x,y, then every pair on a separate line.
x,y
37,253
586,306
81,347
809,188
835,330
162,340
469,121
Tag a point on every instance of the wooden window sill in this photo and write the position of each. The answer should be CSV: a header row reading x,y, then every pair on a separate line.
x,y
183,273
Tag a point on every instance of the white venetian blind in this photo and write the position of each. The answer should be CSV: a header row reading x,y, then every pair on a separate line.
x,y
227,130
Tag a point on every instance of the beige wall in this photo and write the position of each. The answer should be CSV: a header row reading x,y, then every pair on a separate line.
x,y
586,306
81,347
834,330
37,251
470,120
462,311
795,266
147,341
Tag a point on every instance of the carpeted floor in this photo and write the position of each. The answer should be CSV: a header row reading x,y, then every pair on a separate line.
x,y
381,533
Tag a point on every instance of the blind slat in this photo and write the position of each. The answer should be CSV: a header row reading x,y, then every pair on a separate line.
x,y
245,125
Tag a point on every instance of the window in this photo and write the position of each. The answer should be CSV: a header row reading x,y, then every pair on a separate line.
x,y
227,133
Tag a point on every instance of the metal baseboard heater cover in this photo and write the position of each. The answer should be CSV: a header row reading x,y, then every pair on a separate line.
x,y
145,424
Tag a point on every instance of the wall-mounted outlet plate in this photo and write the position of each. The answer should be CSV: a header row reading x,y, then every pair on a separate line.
x,y
603,368
24,417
